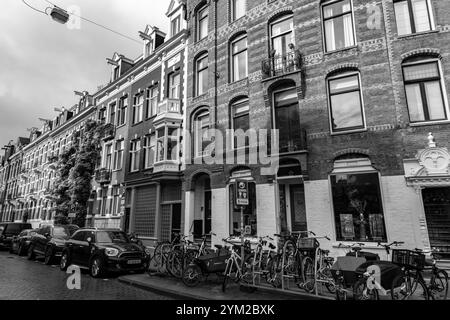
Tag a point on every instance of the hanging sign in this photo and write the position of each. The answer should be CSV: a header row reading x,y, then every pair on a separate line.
x,y
242,193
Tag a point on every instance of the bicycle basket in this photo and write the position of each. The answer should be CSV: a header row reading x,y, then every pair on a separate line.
x,y
408,259
307,243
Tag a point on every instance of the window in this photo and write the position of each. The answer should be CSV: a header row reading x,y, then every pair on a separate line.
x,y
108,156
357,203
239,58
134,155
112,113
287,119
338,25
424,91
346,106
241,119
175,26
122,112
238,9
118,154
149,151
200,128
413,16
102,115
104,201
148,48
202,23
116,73
138,109
174,86
167,144
152,101
115,201
201,65
282,34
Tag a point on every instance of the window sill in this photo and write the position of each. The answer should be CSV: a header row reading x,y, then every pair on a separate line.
x,y
120,126
339,50
151,117
137,123
116,170
348,132
412,35
232,22
429,123
201,96
240,80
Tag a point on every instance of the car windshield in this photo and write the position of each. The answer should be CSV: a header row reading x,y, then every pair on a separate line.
x,y
63,232
16,228
112,236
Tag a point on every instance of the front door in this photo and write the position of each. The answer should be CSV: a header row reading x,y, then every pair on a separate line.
x,y
292,208
437,211
176,218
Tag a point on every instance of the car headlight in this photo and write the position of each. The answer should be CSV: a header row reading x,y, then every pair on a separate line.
x,y
111,252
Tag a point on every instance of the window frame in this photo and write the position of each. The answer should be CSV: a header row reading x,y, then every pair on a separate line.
x,y
421,82
200,19
118,155
233,10
198,70
177,29
338,76
122,116
147,147
233,107
412,22
204,113
233,55
322,16
280,19
149,112
135,152
112,110
171,86
138,108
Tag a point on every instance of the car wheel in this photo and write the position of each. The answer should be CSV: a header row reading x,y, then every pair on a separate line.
x,y
31,255
65,261
48,258
96,268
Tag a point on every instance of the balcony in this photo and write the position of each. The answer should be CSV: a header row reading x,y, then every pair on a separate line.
x,y
166,166
103,176
279,65
169,110
109,132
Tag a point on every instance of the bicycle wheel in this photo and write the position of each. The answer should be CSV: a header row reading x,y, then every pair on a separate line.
x,y
290,263
362,292
405,287
439,285
274,271
309,276
156,262
175,264
192,276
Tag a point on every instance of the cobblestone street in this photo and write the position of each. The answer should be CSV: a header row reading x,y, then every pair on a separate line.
x,y
21,279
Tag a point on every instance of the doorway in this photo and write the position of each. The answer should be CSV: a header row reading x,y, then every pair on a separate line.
x,y
292,208
437,211
202,206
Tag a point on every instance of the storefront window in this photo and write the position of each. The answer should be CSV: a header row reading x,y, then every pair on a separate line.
x,y
250,221
358,208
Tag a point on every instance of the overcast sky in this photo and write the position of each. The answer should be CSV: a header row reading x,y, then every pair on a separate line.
x,y
43,62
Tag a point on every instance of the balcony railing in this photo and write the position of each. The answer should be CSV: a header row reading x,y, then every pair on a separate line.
x,y
110,132
169,106
279,65
103,176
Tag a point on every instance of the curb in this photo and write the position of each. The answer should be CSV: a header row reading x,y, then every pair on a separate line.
x,y
162,291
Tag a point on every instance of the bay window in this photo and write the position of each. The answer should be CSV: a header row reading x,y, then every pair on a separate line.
x,y
167,144
345,99
239,57
424,91
338,25
413,16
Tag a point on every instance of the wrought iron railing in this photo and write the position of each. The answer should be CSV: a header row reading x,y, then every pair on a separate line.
x,y
278,65
103,176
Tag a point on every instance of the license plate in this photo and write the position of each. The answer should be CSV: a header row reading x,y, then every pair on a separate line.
x,y
133,261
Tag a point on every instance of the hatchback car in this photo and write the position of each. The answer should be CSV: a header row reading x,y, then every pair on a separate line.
x,y
10,230
104,250
49,242
21,242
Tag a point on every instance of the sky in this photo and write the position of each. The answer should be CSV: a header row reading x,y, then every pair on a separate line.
x,y
43,62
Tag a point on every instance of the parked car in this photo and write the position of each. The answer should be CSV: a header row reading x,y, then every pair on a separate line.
x,y
104,250
9,230
21,242
49,242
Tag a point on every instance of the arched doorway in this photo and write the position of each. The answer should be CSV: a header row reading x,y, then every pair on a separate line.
x,y
202,205
291,195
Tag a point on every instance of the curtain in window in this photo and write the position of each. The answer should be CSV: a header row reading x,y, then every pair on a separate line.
x,y
415,105
402,17
348,26
421,17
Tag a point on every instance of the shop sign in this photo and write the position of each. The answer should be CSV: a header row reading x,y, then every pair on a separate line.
x,y
242,193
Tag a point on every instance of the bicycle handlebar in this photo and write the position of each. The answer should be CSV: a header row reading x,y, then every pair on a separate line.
x,y
388,247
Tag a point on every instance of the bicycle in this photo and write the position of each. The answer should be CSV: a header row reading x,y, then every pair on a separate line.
x,y
235,270
411,285
263,257
160,256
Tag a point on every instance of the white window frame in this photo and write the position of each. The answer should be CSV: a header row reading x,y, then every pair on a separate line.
x,y
412,19
198,90
149,144
232,55
233,10
135,150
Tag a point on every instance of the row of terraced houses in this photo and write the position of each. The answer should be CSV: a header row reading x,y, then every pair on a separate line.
x,y
357,89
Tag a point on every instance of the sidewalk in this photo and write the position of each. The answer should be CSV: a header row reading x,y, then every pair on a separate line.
x,y
209,290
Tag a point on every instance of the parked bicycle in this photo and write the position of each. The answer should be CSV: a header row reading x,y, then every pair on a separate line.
x,y
438,280
235,270
160,256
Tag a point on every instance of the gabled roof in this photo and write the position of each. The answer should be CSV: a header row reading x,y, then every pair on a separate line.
x,y
174,4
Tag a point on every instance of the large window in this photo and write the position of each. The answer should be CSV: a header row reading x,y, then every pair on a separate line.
x,y
424,91
238,9
135,151
287,119
103,201
413,16
200,128
118,154
358,208
239,58
346,108
108,156
115,208
112,113
282,34
241,119
122,111
149,151
201,84
174,86
167,144
152,101
202,23
138,108
175,26
338,25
